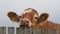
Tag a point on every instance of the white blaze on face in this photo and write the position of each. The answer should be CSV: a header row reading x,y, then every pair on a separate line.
x,y
27,11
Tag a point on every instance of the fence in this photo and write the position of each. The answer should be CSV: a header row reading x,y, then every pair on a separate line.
x,y
11,30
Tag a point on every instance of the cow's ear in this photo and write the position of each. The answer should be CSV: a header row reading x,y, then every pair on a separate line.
x,y
43,17
13,16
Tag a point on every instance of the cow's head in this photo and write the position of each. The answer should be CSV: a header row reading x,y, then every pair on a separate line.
x,y
28,18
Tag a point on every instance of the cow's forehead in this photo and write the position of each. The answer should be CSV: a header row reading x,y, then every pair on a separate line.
x,y
27,11
30,10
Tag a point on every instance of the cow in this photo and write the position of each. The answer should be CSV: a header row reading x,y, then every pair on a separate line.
x,y
31,19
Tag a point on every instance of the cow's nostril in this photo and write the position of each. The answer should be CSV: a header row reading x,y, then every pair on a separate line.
x,y
27,21
21,21
24,22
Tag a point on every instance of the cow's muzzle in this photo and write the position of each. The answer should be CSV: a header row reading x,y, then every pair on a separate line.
x,y
24,23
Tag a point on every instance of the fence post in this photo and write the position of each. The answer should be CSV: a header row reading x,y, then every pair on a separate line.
x,y
44,31
54,31
10,30
23,30
36,31
2,30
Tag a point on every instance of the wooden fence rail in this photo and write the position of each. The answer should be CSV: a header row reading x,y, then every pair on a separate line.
x,y
23,31
27,31
10,30
2,30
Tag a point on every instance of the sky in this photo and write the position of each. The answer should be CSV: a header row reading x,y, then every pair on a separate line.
x,y
52,7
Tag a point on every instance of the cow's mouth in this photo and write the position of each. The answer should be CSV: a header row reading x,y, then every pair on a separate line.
x,y
24,26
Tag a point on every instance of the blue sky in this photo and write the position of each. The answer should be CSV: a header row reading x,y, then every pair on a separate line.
x,y
52,7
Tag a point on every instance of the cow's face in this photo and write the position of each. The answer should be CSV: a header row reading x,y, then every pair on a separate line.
x,y
28,18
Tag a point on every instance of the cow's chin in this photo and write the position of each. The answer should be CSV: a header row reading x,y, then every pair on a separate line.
x,y
24,26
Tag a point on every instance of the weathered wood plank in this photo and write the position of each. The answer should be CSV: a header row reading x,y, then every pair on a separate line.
x,y
28,31
36,31
10,30
45,31
54,31
2,30
23,31
17,30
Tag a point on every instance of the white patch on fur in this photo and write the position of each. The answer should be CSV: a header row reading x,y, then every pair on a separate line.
x,y
27,11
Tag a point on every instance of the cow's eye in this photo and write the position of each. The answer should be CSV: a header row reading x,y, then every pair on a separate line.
x,y
36,18
21,17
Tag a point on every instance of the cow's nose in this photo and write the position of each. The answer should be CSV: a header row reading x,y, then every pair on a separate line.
x,y
24,22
